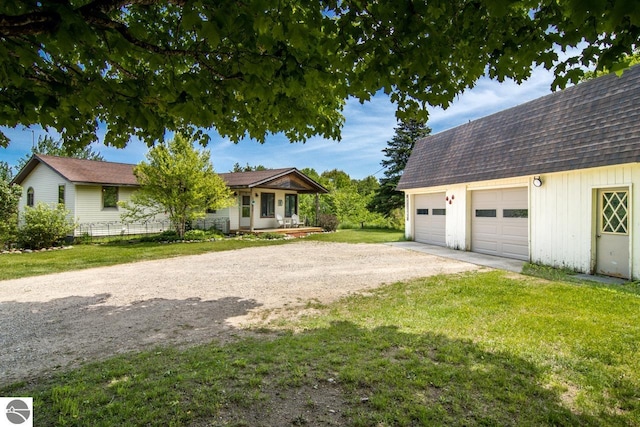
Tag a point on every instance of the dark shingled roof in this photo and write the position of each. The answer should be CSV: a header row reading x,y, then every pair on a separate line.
x,y
273,178
595,123
80,171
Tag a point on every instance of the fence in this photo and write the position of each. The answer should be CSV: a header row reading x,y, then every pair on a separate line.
x,y
117,228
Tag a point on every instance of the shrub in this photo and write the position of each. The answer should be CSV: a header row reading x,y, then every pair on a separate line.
x,y
328,222
195,235
271,236
44,226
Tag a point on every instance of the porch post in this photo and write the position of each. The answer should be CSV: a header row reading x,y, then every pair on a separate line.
x,y
253,203
317,209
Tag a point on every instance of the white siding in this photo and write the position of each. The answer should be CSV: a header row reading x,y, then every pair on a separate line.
x,y
45,182
562,216
89,204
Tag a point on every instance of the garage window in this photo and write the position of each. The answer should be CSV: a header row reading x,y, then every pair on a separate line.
x,y
485,213
439,212
422,211
515,213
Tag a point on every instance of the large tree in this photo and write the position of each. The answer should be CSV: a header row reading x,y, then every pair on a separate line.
x,y
397,152
257,67
51,147
177,180
9,198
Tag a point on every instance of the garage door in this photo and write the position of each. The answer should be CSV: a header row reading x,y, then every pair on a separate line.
x,y
429,218
500,222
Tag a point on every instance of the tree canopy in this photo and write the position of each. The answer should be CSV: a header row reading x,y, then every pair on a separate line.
x,y
256,67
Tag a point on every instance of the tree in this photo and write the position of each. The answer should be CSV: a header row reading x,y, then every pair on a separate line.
x,y
255,67
6,172
47,145
178,180
386,198
9,198
247,168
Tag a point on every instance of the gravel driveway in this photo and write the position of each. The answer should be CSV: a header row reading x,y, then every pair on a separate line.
x,y
60,321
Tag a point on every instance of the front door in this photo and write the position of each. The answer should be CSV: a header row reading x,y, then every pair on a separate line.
x,y
612,233
245,211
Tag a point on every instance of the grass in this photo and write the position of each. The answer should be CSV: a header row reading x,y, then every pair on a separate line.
x,y
14,266
471,349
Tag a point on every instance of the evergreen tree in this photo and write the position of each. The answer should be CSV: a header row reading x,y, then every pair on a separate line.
x,y
386,198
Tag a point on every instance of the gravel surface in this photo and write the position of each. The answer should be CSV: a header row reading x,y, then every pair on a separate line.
x,y
62,320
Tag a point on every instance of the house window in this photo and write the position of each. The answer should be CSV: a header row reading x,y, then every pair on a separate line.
x,y
61,194
290,205
485,213
109,197
267,205
30,197
515,213
439,212
422,211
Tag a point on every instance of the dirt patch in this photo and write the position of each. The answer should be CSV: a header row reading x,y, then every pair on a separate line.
x,y
63,320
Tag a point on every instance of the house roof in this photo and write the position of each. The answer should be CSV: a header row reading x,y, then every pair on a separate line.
x,y
286,178
80,171
592,124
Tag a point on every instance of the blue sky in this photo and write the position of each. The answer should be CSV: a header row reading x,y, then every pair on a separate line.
x,y
366,131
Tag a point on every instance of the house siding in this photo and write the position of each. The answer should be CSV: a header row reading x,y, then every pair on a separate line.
x,y
563,216
89,204
45,182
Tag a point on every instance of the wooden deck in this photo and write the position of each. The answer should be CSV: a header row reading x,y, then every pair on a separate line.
x,y
289,231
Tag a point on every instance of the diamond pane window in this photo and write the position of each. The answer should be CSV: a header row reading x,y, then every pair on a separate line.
x,y
614,212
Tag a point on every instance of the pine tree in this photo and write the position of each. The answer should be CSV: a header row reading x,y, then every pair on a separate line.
x,y
397,153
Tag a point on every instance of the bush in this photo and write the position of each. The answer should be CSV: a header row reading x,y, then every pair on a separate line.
x,y
44,226
195,235
271,236
328,222
165,236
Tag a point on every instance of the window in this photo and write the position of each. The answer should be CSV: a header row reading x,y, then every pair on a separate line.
x,y
61,194
615,212
290,205
30,197
422,211
439,211
267,205
515,213
485,213
109,197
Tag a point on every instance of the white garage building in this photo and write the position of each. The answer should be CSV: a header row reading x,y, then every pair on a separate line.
x,y
554,181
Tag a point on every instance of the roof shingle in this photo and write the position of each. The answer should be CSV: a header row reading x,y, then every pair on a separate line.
x,y
596,123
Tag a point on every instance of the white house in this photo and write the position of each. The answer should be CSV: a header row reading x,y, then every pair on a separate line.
x,y
554,181
91,190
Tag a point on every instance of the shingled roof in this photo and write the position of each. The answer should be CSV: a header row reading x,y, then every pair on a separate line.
x,y
595,123
285,178
80,171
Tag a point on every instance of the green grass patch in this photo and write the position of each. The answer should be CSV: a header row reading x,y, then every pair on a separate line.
x,y
79,257
13,266
470,349
362,235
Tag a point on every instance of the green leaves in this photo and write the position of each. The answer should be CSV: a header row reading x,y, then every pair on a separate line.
x,y
177,180
257,67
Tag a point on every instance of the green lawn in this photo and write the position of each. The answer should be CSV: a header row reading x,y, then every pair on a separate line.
x,y
86,256
473,349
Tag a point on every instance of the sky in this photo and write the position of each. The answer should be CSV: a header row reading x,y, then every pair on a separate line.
x,y
367,129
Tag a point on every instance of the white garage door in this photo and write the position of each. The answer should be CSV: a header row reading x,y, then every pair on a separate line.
x,y
429,218
500,222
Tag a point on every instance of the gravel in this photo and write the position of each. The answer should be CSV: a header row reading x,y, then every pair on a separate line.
x,y
61,321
